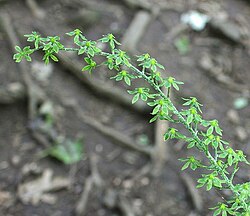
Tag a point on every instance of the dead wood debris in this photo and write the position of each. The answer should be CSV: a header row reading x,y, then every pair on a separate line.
x,y
37,190
229,29
115,9
207,64
83,18
37,97
192,191
35,93
111,198
111,133
125,206
161,150
6,199
150,5
12,93
37,12
175,31
93,180
136,30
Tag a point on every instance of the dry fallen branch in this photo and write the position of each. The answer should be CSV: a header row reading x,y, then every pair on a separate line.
x,y
136,30
35,93
206,63
111,133
161,150
152,6
125,206
81,204
37,190
35,9
192,191
93,180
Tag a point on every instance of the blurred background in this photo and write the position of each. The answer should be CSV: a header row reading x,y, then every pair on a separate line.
x,y
72,143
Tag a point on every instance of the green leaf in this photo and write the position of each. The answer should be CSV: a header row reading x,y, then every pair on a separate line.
x,y
209,185
86,68
54,58
217,183
71,33
127,80
217,212
230,160
185,166
46,61
119,78
182,44
144,97
87,60
156,109
68,152
47,46
135,98
55,48
81,50
18,48
189,119
175,86
191,145
18,57
218,130
91,52
210,130
104,40
28,58
126,62
118,61
154,119
154,68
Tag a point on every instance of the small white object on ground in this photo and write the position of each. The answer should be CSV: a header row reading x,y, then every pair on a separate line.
x,y
196,20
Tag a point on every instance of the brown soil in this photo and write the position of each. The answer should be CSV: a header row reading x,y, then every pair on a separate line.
x,y
151,196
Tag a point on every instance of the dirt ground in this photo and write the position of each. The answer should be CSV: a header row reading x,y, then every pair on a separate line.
x,y
118,180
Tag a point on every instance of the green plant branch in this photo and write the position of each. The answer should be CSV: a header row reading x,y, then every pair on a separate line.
x,y
210,143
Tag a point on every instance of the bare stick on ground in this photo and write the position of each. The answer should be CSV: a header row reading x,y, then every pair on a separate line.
x,y
111,133
35,9
35,94
136,30
93,180
192,191
161,150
